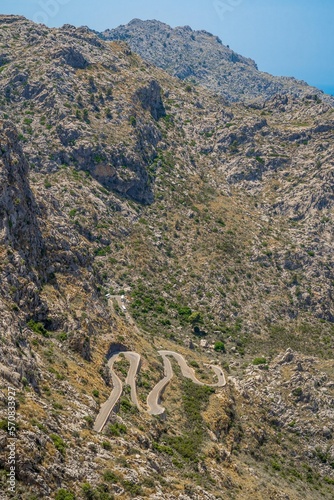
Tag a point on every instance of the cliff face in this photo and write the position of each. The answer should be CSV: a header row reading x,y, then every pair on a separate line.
x,y
200,57
60,83
215,221
18,210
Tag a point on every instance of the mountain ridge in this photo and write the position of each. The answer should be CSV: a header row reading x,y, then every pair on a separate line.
x,y
200,57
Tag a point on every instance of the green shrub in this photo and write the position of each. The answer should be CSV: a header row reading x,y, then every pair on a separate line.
x,y
88,491
133,121
110,476
101,252
195,317
259,361
162,448
275,465
132,488
85,115
4,425
184,312
106,445
126,405
64,495
116,429
96,393
219,346
194,364
59,444
38,327
89,420
62,337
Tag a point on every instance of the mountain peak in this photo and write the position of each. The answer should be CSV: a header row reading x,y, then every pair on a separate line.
x,y
201,57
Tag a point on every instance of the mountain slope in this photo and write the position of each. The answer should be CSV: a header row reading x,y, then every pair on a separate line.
x,y
216,223
200,57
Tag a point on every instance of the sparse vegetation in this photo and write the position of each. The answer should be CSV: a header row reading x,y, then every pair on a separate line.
x,y
58,443
214,222
259,361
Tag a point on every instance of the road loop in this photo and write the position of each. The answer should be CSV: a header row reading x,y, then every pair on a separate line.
x,y
154,397
116,393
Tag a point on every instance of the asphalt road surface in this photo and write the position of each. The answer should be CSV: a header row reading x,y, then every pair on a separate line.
x,y
116,393
153,399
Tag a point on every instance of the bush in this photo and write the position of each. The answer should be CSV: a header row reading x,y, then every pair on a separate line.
x,y
85,115
297,392
116,429
127,407
106,445
59,444
133,121
87,491
219,346
162,448
62,337
185,313
38,328
101,252
259,361
3,425
64,495
132,488
96,393
195,317
89,420
110,476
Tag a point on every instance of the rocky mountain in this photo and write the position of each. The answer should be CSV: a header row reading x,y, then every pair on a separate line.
x,y
200,57
214,220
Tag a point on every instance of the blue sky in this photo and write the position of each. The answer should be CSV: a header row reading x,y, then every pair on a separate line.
x,y
285,37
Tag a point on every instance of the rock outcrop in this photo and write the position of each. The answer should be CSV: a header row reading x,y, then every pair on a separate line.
x,y
19,227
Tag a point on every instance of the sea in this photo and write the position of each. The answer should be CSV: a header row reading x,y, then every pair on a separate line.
x,y
328,89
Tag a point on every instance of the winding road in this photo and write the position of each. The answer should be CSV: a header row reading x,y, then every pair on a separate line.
x,y
154,408
153,399
116,393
